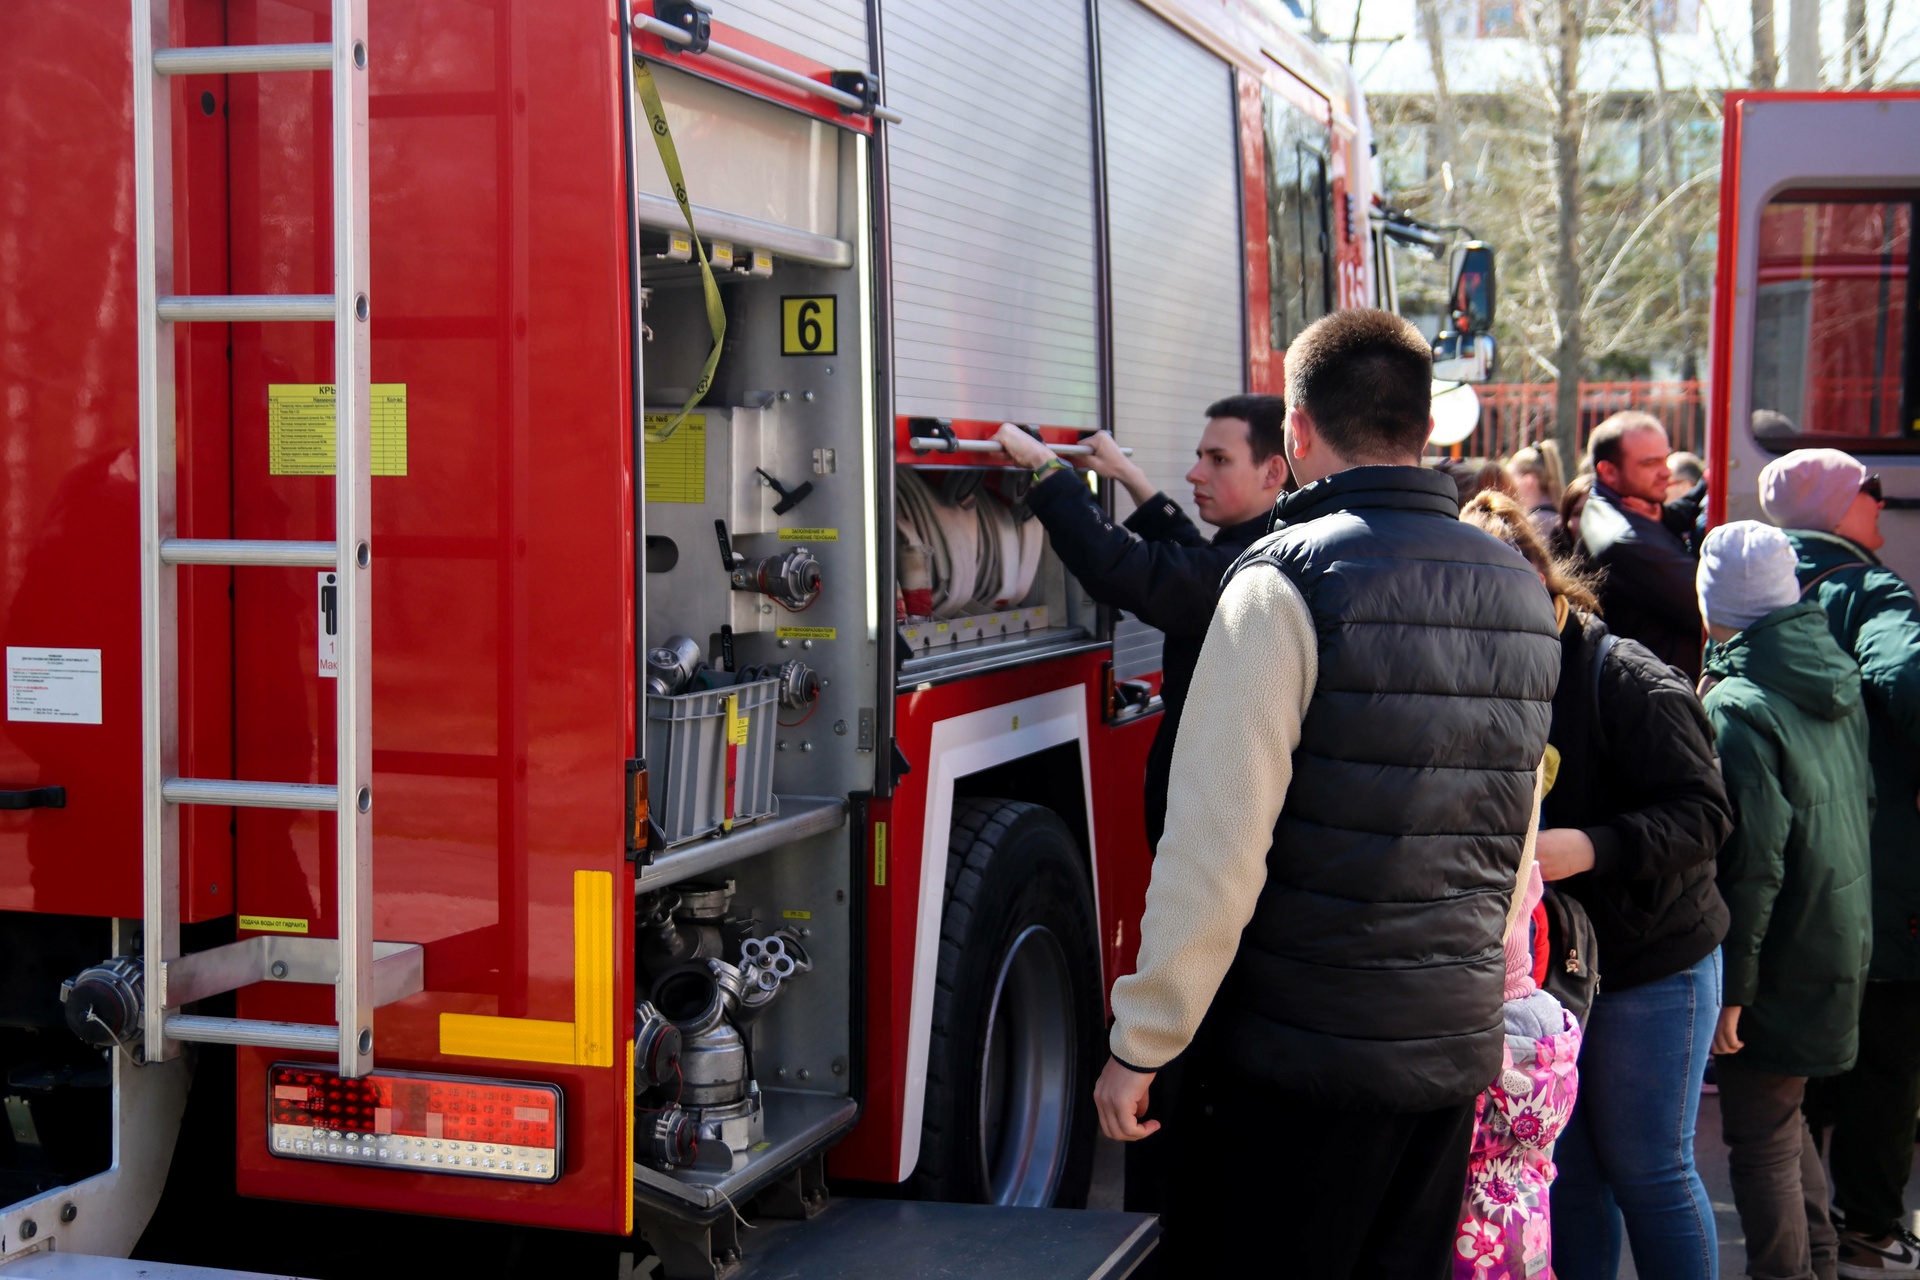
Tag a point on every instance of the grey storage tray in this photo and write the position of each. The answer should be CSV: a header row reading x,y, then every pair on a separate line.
x,y
687,756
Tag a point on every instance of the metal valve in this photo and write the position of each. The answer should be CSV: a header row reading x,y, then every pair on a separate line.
x,y
656,1048
791,577
103,1002
670,1139
799,686
672,666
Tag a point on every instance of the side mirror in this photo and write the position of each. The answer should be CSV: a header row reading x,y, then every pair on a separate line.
x,y
1464,357
1472,292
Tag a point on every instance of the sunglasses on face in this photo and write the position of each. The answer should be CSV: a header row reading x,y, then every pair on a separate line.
x,y
1871,487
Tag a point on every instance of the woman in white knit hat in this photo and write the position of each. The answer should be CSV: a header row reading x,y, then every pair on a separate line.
x,y
1829,507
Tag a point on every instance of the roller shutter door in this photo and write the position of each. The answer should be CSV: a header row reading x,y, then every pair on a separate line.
x,y
1173,198
993,213
829,31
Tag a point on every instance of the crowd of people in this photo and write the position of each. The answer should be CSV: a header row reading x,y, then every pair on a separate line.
x,y
1492,807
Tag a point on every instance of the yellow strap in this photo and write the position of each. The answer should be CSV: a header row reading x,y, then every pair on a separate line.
x,y
670,161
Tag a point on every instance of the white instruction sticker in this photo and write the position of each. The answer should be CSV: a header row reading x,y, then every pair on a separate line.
x,y
53,684
328,632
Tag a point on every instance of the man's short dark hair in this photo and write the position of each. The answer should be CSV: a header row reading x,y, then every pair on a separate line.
x,y
1608,439
1366,378
1266,419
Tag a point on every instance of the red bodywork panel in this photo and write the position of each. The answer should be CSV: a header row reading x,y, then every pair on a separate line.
x,y
502,626
69,485
1263,362
1117,757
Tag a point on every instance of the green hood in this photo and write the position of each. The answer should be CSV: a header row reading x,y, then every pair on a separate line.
x,y
1822,551
1791,652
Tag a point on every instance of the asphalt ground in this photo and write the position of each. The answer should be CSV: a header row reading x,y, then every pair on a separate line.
x,y
1710,1153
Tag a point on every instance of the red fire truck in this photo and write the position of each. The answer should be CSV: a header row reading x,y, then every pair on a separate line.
x,y
528,698
1816,342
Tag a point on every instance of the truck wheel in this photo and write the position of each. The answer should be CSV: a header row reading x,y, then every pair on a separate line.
x,y
1016,1015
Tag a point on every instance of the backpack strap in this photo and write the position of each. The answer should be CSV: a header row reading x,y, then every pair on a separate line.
x,y
1824,574
1600,652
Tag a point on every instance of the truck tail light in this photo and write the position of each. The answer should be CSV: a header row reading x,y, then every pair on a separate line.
x,y
422,1123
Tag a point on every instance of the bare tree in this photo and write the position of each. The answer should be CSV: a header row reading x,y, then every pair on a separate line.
x,y
1446,125
1803,44
1861,54
1680,236
1766,64
1568,22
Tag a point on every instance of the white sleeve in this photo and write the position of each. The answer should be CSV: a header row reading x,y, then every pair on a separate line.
x,y
1232,763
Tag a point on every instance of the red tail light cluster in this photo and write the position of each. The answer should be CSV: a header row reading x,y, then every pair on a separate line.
x,y
423,1123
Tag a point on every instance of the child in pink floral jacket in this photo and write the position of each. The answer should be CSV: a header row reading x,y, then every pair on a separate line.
x,y
1506,1228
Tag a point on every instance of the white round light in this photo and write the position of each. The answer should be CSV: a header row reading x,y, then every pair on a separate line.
x,y
1456,412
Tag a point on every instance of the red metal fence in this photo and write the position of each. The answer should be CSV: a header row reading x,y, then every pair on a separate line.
x,y
1513,414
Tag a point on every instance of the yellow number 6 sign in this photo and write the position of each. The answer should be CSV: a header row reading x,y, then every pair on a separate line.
x,y
806,326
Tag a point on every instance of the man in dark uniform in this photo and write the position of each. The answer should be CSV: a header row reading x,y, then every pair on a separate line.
x,y
1156,565
1160,568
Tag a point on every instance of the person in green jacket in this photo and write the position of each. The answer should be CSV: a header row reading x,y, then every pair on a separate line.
x,y
1829,507
1785,705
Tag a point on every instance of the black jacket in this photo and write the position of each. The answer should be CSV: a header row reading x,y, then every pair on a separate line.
x,y
1647,591
1163,571
1370,976
1644,786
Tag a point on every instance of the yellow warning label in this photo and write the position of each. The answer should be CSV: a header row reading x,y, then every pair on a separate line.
x,y
677,465
806,633
806,326
300,439
272,924
796,915
809,535
879,855
736,723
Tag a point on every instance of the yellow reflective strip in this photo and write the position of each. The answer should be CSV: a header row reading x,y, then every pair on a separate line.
x,y
593,968
469,1035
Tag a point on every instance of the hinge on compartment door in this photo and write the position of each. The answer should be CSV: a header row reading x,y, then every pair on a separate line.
x,y
695,17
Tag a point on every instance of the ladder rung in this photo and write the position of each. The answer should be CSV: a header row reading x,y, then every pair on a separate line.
x,y
253,1031
235,551
239,59
249,795
234,308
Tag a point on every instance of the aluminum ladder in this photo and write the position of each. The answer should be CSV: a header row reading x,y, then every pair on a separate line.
x,y
364,974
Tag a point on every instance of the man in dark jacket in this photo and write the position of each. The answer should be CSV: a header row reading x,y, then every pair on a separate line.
x,y
1156,565
1342,846
1784,702
1639,544
1829,507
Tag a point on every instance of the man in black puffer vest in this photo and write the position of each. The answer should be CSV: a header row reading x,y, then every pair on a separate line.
x,y
1354,794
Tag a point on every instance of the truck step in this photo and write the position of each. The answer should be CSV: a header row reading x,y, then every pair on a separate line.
x,y
898,1240
81,1266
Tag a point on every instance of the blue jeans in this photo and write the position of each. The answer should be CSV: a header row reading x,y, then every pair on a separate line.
x,y
1627,1152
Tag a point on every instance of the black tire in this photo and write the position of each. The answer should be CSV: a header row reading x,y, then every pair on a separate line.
x,y
1017,1015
